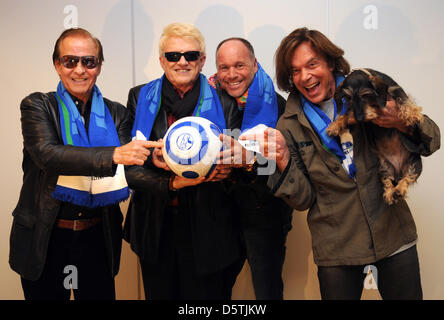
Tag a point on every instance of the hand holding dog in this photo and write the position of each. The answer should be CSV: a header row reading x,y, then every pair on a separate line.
x,y
388,117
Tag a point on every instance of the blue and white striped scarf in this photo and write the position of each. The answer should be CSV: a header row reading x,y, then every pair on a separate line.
x,y
87,191
320,121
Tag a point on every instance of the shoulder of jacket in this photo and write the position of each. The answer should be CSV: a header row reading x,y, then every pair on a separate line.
x,y
136,90
115,107
113,104
281,102
40,99
39,96
293,105
280,98
133,95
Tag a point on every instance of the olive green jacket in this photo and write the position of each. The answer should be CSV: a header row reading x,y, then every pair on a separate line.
x,y
350,224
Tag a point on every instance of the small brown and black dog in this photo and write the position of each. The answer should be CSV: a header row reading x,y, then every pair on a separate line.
x,y
365,92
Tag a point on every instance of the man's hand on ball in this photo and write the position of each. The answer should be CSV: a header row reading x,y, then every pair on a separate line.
x,y
181,182
157,157
134,153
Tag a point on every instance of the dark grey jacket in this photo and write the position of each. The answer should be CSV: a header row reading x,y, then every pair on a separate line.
x,y
350,224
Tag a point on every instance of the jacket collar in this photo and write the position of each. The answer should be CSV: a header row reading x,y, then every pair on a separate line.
x,y
294,108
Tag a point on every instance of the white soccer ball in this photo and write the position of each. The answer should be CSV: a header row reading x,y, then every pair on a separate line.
x,y
191,147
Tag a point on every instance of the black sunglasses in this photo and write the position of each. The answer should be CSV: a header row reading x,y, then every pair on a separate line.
x,y
175,56
70,62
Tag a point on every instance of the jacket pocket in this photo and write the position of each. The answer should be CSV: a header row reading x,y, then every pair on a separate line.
x,y
24,219
21,239
314,165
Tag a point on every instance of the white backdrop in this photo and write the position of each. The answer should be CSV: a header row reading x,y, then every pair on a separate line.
x,y
399,37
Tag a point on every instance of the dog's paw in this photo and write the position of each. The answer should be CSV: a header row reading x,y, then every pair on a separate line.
x,y
398,195
389,196
410,113
401,190
333,129
416,116
332,132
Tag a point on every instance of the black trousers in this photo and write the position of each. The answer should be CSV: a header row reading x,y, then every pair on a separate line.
x,y
397,277
174,276
78,257
265,251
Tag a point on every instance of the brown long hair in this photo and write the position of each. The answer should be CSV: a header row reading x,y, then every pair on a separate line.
x,y
319,42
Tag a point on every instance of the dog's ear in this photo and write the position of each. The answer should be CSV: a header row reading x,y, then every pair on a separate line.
x,y
381,90
398,94
339,95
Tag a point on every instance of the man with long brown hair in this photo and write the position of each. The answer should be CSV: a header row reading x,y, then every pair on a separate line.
x,y
337,181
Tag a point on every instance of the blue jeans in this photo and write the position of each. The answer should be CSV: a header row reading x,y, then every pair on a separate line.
x,y
397,277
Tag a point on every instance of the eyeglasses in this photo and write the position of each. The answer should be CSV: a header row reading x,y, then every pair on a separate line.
x,y
175,56
70,62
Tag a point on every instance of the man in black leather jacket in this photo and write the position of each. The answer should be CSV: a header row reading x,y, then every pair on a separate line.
x,y
53,241
182,230
264,219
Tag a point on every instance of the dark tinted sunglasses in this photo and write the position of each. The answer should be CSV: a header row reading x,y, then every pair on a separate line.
x,y
175,56
70,62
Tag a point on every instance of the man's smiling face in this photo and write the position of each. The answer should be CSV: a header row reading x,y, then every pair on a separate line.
x,y
311,74
80,80
236,67
182,74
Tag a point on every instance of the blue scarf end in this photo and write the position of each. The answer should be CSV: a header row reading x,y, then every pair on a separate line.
x,y
77,197
108,198
85,199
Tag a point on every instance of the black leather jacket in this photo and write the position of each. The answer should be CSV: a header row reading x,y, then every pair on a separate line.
x,y
213,217
45,157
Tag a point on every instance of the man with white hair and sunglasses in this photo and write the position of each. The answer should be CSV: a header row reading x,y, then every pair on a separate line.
x,y
183,230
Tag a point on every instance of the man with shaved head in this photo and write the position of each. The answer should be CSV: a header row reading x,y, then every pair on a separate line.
x,y
264,219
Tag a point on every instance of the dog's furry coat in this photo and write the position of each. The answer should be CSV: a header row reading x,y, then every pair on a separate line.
x,y
365,91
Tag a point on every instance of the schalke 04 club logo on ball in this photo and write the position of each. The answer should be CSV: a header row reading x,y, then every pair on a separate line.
x,y
184,141
191,147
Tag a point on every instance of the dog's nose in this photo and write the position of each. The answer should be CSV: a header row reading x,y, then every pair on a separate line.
x,y
360,117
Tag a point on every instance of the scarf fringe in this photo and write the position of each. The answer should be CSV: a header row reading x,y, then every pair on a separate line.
x,y
74,196
85,199
108,198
